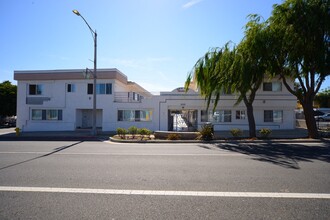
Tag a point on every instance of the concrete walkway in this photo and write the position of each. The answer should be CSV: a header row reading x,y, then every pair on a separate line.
x,y
276,134
83,135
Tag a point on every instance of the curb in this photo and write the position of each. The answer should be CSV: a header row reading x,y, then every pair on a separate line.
x,y
50,138
280,140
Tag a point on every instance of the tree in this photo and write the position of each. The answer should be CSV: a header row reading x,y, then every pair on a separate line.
x,y
323,98
252,65
238,70
8,94
300,49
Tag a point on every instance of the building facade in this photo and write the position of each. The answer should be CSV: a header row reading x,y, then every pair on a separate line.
x,y
62,100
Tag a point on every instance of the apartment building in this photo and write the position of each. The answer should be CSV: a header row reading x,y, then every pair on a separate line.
x,y
62,100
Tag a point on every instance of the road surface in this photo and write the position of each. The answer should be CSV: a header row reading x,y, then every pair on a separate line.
x,y
101,180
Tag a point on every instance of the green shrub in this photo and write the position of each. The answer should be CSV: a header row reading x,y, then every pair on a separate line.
x,y
144,132
133,131
148,133
121,132
265,132
173,137
236,132
206,132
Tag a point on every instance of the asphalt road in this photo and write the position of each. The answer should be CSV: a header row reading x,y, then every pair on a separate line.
x,y
100,180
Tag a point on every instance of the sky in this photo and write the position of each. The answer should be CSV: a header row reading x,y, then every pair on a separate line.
x,y
155,43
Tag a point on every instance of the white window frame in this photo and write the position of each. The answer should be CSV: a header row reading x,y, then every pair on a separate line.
x,y
71,87
101,88
36,114
38,89
275,86
47,114
276,116
137,115
240,114
218,116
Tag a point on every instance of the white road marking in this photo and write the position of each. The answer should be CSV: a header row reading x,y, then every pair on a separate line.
x,y
126,154
167,193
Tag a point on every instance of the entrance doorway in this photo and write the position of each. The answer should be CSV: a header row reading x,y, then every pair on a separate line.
x,y
182,120
84,118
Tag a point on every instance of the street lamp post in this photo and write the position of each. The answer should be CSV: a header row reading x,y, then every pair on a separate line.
x,y
94,132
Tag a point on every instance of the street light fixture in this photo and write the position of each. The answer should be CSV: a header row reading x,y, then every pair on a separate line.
x,y
94,132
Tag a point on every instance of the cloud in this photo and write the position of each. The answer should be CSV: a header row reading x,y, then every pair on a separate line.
x,y
191,3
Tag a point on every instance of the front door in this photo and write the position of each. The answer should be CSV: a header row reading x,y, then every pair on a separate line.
x,y
182,120
86,118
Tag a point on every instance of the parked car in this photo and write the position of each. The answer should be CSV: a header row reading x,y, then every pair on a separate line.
x,y
7,122
325,117
318,113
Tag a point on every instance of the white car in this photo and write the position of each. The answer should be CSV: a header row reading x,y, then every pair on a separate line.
x,y
325,117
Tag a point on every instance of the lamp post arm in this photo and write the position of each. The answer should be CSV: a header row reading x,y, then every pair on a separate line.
x,y
91,30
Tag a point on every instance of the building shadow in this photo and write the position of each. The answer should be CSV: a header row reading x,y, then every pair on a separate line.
x,y
56,150
287,155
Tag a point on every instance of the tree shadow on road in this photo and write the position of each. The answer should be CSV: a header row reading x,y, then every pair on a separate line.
x,y
56,150
287,155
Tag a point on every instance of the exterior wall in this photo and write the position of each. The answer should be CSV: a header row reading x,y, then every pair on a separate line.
x,y
77,105
145,104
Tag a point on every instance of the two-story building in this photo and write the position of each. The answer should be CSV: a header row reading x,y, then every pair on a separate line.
x,y
62,100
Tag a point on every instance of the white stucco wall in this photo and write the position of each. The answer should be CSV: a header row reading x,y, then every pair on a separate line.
x,y
74,103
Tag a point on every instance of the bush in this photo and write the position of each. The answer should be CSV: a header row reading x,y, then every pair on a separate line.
x,y
236,132
265,132
206,133
122,133
148,133
173,137
133,131
144,132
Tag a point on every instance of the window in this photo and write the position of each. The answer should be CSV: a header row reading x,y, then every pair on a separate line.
x,y
71,88
134,115
101,88
36,114
46,114
137,115
277,86
240,114
35,89
51,114
136,97
204,116
125,115
272,86
273,116
222,116
89,88
145,115
108,88
216,116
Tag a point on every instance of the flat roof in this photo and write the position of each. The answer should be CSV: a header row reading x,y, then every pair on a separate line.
x,y
72,74
66,74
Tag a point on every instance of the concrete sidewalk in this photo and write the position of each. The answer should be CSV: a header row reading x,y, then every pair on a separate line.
x,y
78,135
276,134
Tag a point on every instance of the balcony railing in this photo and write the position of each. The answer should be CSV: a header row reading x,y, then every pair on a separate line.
x,y
131,97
